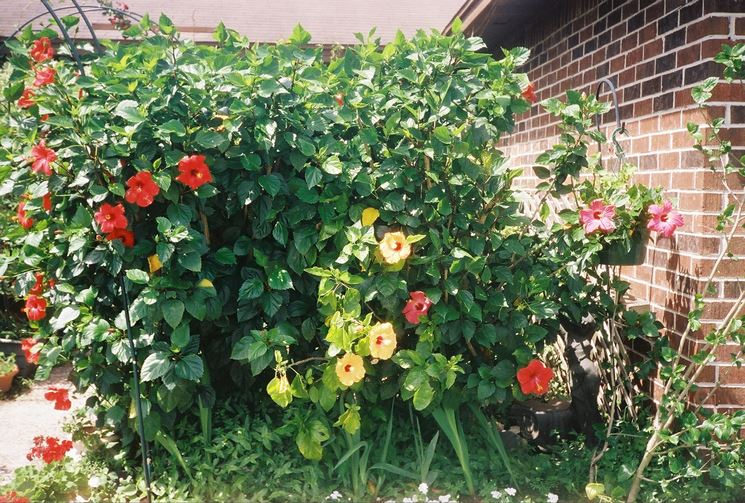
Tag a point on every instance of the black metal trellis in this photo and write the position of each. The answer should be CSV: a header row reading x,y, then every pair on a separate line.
x,y
81,10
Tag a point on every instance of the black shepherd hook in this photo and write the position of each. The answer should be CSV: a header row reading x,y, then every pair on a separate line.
x,y
138,401
620,126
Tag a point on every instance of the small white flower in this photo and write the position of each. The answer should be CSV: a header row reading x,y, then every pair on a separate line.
x,y
95,481
445,498
423,488
335,496
410,500
74,454
510,490
552,498
496,495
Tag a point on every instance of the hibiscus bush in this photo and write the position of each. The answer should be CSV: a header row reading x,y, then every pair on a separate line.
x,y
335,232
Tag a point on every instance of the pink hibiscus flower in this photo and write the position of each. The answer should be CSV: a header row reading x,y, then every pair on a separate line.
x,y
598,217
664,220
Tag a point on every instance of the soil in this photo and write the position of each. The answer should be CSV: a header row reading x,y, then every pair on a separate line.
x,y
28,414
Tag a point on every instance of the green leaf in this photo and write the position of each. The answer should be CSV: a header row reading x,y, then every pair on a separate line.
x,y
173,126
332,166
212,139
191,261
442,133
173,312
67,315
279,390
423,396
309,439
225,256
156,365
271,184
279,279
181,335
252,288
138,276
190,367
127,110
196,306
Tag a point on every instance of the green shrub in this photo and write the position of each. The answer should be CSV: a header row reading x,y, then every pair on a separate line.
x,y
275,274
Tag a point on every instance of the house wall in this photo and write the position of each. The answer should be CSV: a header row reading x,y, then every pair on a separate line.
x,y
654,52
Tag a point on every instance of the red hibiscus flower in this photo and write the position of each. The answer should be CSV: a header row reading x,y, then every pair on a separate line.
x,y
111,217
36,308
41,50
13,497
534,378
27,99
142,189
529,93
125,236
194,172
26,222
49,449
46,201
44,77
27,345
43,157
416,307
38,287
59,396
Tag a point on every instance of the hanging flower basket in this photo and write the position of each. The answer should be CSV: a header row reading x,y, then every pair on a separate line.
x,y
615,254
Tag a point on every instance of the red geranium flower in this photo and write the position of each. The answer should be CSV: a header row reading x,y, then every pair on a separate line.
x,y
45,76
42,158
194,172
534,378
529,93
416,307
41,50
36,308
142,189
26,222
46,201
49,449
13,497
38,287
125,236
59,396
44,118
111,217
27,99
27,345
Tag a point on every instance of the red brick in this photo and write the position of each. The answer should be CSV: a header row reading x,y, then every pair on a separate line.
x,y
706,27
689,55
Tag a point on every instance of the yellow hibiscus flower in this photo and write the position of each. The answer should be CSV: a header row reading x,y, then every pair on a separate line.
x,y
350,369
382,341
394,248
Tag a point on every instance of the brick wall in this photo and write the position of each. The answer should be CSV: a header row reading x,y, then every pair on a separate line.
x,y
654,52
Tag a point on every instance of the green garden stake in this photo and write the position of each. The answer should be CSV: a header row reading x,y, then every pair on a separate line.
x,y
138,400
